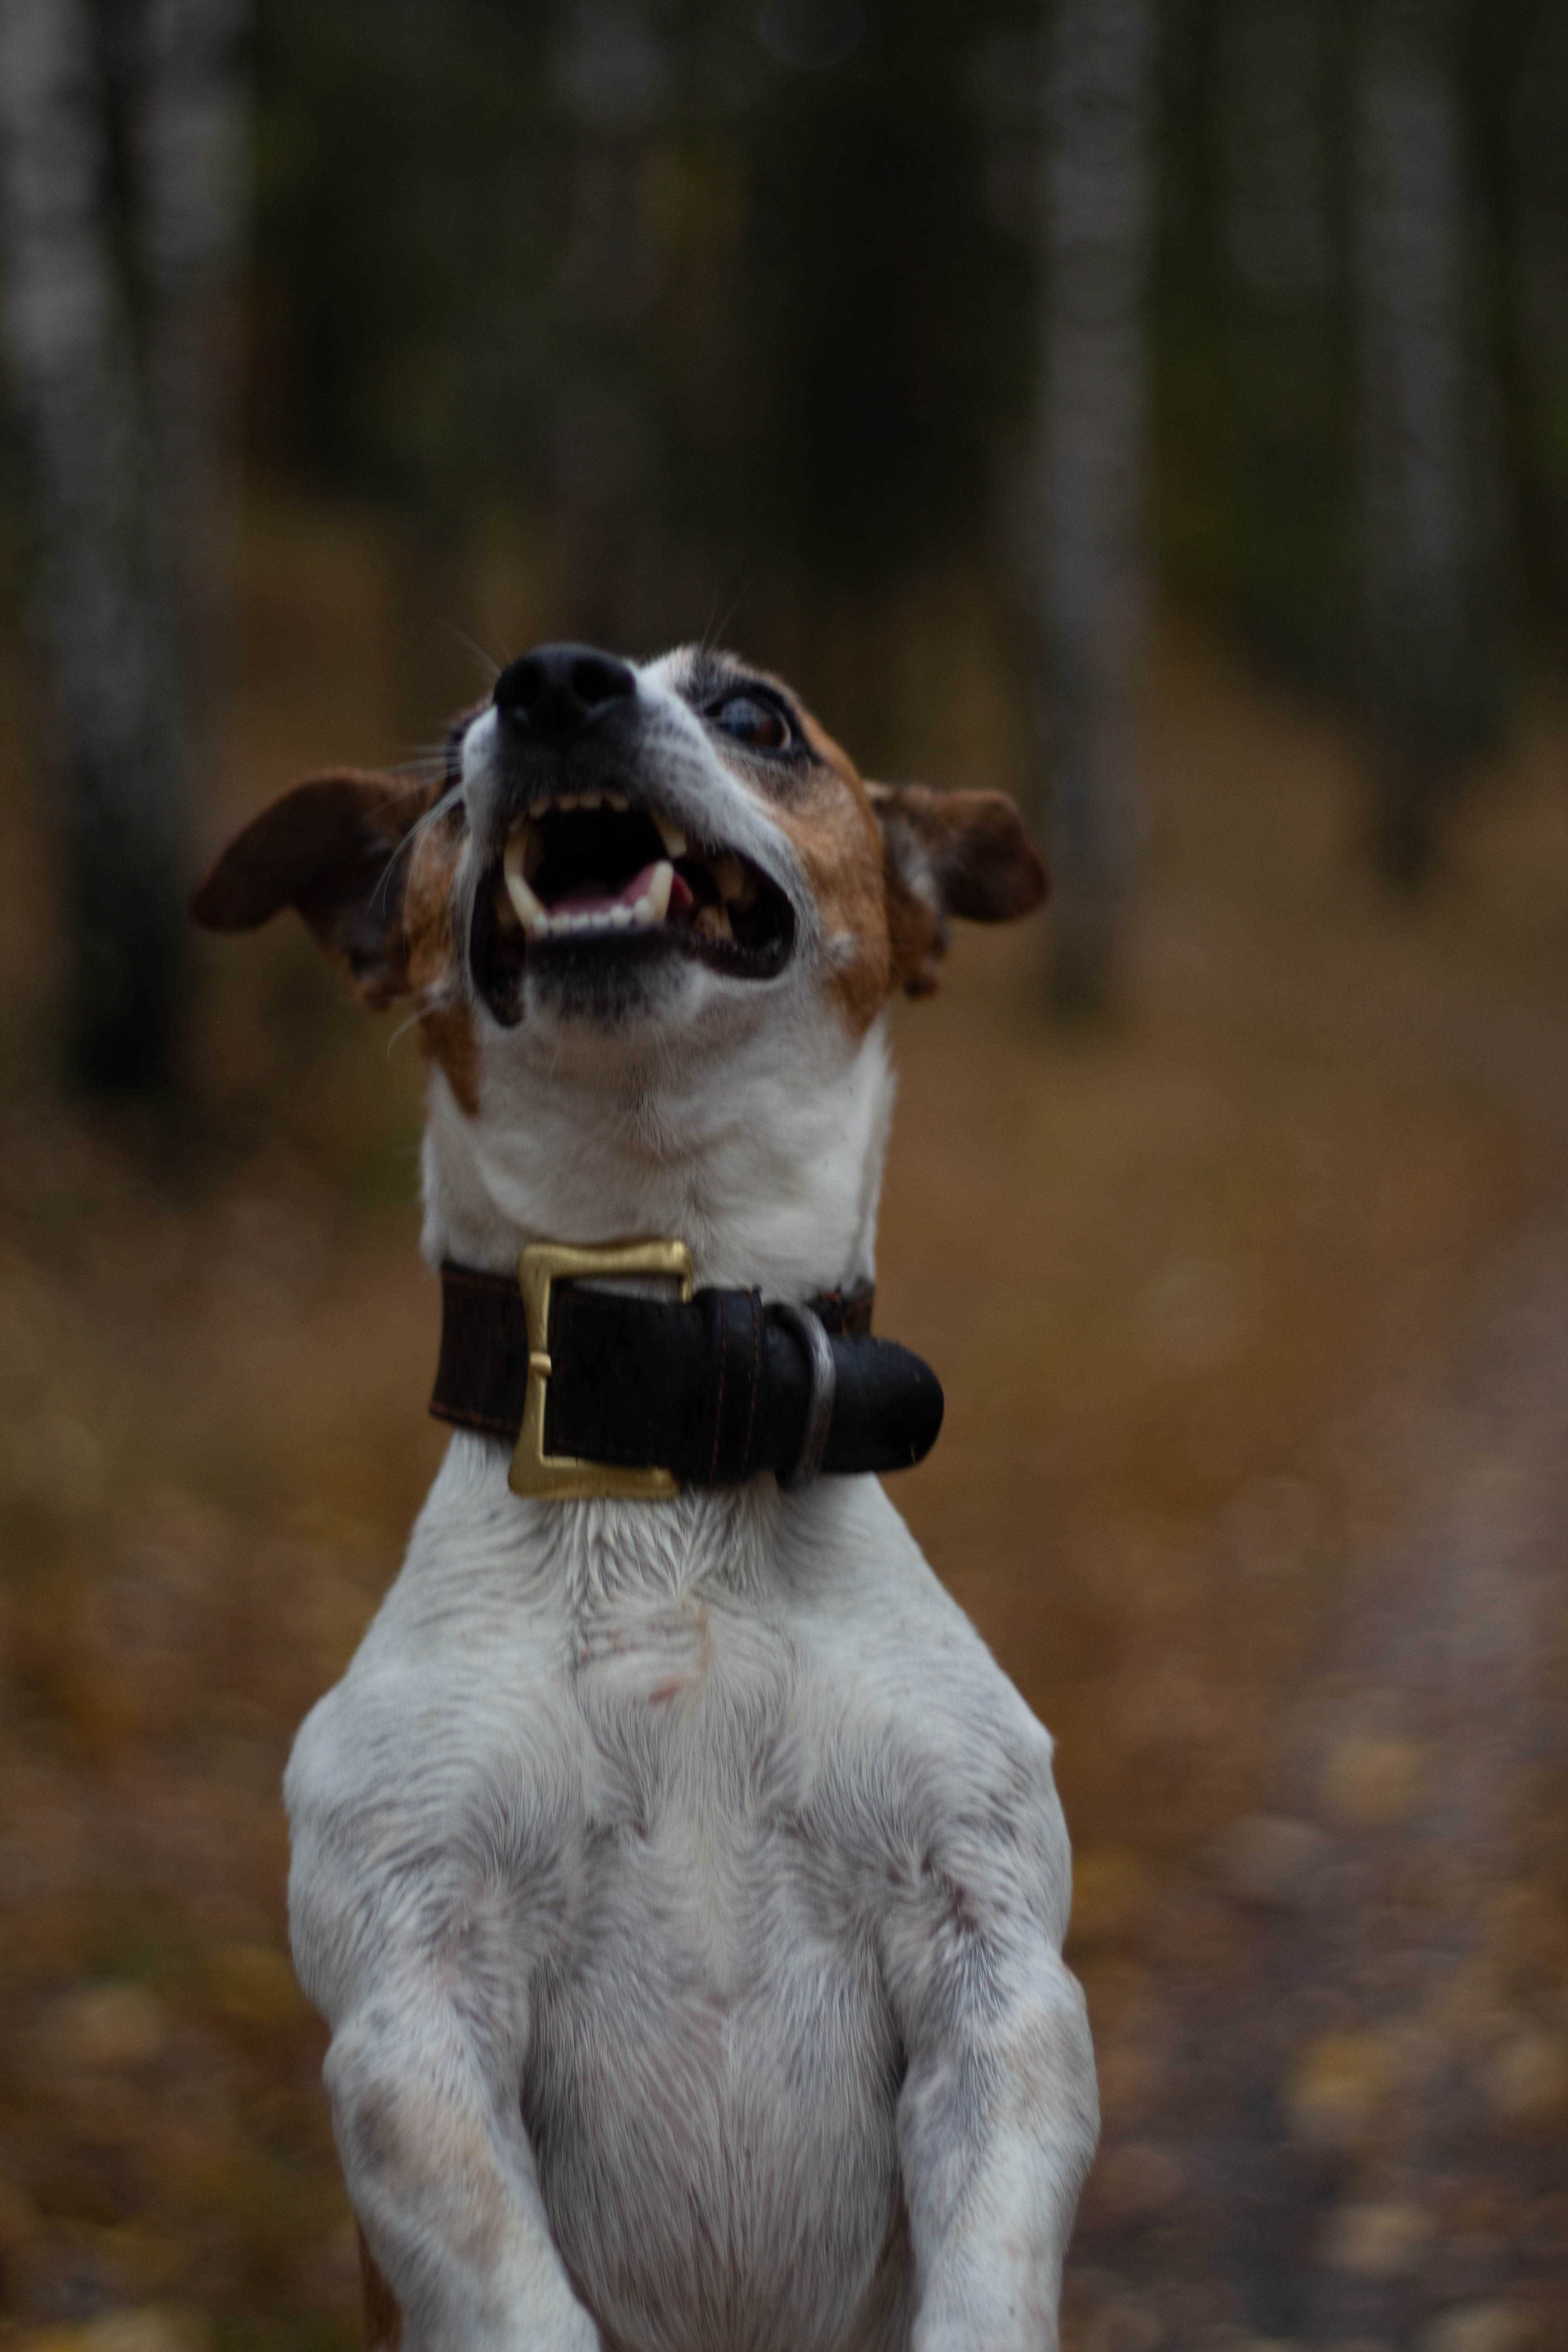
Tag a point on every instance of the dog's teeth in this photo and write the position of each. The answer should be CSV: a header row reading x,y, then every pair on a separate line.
x,y
656,895
589,800
506,913
529,913
620,916
713,923
672,836
530,849
733,880
616,801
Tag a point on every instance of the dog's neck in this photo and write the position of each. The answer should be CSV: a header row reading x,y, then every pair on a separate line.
x,y
769,1170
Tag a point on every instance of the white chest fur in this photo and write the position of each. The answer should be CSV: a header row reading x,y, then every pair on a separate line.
x,y
711,2088
686,1816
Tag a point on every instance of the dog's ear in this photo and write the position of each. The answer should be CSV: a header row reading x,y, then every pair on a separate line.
x,y
330,848
949,854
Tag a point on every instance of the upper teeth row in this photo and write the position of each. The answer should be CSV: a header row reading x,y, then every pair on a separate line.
x,y
671,835
581,800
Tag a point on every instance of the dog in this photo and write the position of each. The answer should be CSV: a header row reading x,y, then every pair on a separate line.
x,y
681,1880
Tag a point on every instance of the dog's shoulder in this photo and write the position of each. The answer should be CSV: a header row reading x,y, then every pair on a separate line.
x,y
422,1790
875,1619
924,1745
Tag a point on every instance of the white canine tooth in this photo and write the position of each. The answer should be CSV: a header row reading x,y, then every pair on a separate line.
x,y
732,879
506,913
530,914
530,849
656,895
672,836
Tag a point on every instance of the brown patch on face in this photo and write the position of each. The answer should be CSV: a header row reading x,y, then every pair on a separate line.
x,y
337,849
827,818
889,865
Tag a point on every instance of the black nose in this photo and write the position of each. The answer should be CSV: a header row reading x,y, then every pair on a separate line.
x,y
557,692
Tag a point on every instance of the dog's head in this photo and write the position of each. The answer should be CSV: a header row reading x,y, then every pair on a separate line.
x,y
617,851
629,872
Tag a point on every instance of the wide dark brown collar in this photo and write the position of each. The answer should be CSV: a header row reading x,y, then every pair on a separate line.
x,y
711,1390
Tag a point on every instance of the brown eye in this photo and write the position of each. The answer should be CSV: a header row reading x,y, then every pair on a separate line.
x,y
760,726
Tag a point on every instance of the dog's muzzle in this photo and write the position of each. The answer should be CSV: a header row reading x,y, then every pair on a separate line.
x,y
610,1395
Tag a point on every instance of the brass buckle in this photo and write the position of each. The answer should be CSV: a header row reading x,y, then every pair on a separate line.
x,y
561,1475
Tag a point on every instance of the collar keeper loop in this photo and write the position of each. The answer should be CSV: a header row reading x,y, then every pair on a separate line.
x,y
808,1330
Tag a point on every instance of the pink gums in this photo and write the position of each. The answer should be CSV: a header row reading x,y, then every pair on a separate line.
x,y
591,898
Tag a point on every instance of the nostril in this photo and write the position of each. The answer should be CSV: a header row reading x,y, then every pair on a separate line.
x,y
598,678
522,684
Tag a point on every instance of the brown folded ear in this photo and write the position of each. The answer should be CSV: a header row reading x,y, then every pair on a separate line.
x,y
950,854
329,849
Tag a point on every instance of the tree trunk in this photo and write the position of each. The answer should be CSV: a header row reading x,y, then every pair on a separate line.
x,y
1422,483
1281,333
1278,231
109,453
1091,466
189,128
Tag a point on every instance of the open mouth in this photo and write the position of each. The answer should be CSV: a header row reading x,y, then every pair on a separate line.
x,y
589,873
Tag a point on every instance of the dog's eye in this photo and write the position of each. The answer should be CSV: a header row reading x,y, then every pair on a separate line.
x,y
760,726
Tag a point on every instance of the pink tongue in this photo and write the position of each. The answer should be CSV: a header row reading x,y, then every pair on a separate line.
x,y
591,898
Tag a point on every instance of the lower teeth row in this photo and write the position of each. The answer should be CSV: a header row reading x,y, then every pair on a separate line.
x,y
641,916
516,900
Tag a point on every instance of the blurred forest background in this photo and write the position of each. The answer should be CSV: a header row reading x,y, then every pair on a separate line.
x,y
1156,407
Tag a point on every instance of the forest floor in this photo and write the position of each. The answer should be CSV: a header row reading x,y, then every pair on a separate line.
x,y
1252,1312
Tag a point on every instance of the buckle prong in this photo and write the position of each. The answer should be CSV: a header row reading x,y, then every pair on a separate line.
x,y
561,1476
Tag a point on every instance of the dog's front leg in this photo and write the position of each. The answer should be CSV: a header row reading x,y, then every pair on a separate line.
x,y
998,2117
442,2177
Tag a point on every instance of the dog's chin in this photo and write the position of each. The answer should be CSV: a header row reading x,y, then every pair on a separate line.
x,y
613,987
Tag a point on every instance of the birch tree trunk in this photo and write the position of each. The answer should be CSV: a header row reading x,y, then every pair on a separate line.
x,y
1091,459
113,449
188,124
1423,480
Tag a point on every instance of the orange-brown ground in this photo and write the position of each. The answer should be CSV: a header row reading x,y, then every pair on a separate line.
x,y
1177,1278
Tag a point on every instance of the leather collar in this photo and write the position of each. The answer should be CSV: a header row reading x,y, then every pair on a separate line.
x,y
713,1389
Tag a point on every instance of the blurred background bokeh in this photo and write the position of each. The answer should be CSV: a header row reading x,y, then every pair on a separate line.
x,y
1158,408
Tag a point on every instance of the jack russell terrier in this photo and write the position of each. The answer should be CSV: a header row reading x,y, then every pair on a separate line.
x,y
682,1881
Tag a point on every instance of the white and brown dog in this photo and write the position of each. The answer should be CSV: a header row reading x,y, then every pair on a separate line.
x,y
682,1881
